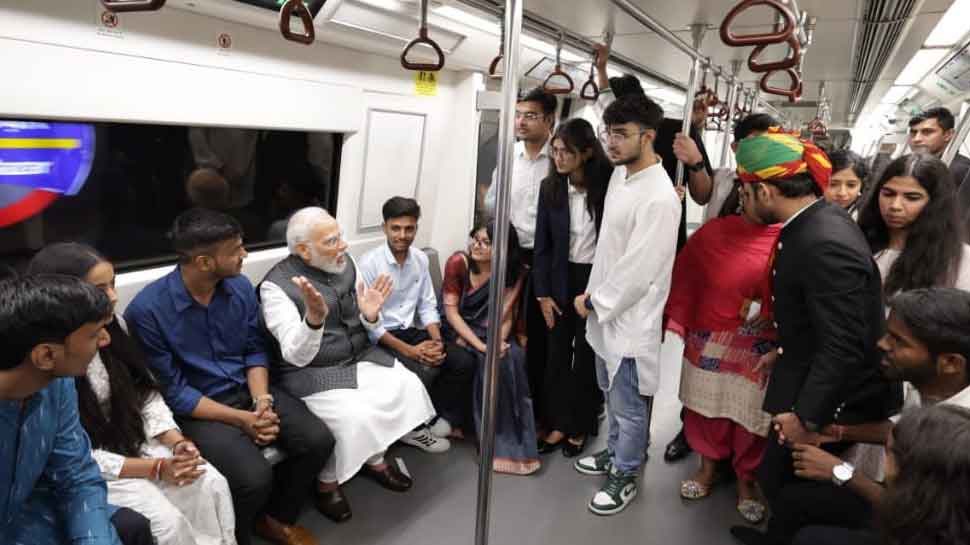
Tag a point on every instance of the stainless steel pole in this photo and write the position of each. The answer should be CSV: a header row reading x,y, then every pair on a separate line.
x,y
695,67
963,129
506,140
728,126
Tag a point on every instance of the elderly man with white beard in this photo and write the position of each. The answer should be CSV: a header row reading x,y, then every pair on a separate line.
x,y
319,315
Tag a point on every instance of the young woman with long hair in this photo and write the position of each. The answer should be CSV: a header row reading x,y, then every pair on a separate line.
x,y
848,182
149,466
570,212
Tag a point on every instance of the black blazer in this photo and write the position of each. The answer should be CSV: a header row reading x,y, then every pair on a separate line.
x,y
550,266
829,312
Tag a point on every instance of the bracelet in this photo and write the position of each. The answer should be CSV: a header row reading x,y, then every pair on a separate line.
x,y
158,468
263,397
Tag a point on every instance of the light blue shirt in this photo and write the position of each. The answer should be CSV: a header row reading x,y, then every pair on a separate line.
x,y
51,491
413,291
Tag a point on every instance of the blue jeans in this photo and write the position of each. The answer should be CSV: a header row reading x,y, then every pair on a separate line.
x,y
627,413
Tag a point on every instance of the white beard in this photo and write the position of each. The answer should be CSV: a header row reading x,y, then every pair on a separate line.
x,y
329,266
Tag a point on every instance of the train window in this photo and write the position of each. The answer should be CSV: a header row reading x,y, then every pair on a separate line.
x,y
118,186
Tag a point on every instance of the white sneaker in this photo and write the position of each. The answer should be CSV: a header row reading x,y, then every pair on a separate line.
x,y
426,441
441,428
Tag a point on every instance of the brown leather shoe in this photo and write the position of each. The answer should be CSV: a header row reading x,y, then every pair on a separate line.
x,y
334,505
390,477
283,534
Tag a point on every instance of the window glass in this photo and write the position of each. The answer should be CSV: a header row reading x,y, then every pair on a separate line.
x,y
118,186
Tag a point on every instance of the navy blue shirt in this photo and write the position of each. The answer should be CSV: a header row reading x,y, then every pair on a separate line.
x,y
198,350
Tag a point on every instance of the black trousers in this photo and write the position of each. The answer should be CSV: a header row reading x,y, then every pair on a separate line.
x,y
536,350
571,395
254,483
797,503
449,385
133,528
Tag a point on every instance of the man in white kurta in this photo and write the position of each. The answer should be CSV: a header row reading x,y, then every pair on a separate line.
x,y
319,314
626,294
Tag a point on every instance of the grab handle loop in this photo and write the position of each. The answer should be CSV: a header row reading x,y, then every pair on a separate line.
x,y
554,90
786,31
423,39
298,8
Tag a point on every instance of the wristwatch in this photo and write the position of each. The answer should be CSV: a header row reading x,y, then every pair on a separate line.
x,y
588,303
696,167
842,473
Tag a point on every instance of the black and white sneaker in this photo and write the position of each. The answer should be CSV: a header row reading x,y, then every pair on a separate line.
x,y
423,439
594,464
616,494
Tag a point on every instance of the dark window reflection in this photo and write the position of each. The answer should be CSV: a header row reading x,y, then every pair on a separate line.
x,y
144,175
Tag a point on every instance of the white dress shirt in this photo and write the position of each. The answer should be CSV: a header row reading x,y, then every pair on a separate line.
x,y
527,176
413,291
632,271
582,229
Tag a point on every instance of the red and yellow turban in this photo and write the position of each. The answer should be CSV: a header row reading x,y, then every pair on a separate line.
x,y
777,155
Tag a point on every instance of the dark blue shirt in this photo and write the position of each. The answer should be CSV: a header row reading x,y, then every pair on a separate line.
x,y
198,350
51,491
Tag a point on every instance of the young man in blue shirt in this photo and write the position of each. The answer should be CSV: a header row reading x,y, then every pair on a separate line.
x,y
420,349
51,490
202,335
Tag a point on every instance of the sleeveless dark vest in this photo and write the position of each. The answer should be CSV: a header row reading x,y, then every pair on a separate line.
x,y
344,341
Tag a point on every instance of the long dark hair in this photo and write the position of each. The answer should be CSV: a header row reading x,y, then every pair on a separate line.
x,y
847,159
513,261
578,136
120,429
929,501
934,244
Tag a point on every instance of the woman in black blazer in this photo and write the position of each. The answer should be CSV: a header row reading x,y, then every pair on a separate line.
x,y
569,215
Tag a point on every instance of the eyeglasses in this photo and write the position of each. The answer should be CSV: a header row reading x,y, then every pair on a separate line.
x,y
483,242
528,116
614,136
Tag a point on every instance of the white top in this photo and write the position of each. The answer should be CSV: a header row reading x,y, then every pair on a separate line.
x,y
582,229
632,270
157,417
887,257
299,343
723,183
413,291
527,176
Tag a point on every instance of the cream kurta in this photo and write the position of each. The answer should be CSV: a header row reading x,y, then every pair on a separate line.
x,y
632,270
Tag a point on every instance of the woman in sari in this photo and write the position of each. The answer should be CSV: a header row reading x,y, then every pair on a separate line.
x,y
714,306
465,293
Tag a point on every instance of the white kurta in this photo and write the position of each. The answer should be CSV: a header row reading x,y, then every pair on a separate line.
x,y
388,402
198,514
631,272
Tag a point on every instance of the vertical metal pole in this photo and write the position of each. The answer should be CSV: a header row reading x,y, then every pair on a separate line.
x,y
729,125
506,140
695,67
963,129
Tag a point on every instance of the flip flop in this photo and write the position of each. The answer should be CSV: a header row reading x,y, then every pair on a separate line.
x,y
752,511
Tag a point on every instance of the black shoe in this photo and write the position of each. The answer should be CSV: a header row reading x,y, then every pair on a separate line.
x,y
333,505
572,450
546,448
749,536
390,477
678,449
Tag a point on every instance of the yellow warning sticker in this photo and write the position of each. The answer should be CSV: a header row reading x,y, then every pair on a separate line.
x,y
426,84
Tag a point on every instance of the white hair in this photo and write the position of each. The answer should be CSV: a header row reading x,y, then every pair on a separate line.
x,y
300,224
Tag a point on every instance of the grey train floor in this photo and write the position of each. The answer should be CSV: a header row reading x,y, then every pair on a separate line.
x,y
547,508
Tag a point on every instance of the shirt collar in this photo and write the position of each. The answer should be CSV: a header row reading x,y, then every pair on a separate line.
x,y
643,173
389,255
796,214
962,398
181,297
543,153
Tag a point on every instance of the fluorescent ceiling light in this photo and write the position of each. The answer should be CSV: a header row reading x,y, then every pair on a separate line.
x,y
895,94
952,26
392,5
922,62
474,21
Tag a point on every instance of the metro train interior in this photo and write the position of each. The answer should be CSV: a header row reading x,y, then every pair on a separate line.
x,y
118,115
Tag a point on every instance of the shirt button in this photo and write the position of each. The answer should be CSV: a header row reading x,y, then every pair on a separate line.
x,y
780,245
776,325
781,350
774,272
772,298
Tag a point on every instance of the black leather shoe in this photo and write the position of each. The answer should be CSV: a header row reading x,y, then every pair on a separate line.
x,y
572,450
546,448
390,477
749,536
678,449
333,505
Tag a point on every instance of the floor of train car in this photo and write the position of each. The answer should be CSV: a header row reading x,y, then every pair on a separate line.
x,y
548,508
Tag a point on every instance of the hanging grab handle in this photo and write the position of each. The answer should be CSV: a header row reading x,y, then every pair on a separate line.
x,y
423,39
766,38
590,85
790,61
496,62
298,8
119,6
558,72
794,90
